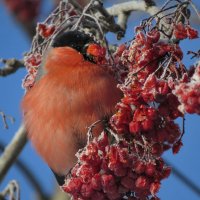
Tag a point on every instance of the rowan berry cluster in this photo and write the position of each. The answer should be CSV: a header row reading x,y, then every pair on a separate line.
x,y
188,93
45,33
24,10
107,171
45,30
32,63
149,106
158,89
182,31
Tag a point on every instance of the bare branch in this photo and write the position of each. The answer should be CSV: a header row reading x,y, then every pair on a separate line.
x,y
12,191
5,117
195,54
90,130
30,177
76,5
133,5
184,179
11,66
12,151
123,10
195,9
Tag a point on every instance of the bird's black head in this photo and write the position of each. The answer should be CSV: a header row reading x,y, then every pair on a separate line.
x,y
75,39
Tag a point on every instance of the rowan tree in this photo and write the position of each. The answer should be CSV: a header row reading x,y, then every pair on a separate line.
x,y
126,160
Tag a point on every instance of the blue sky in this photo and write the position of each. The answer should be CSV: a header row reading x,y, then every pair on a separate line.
x,y
13,43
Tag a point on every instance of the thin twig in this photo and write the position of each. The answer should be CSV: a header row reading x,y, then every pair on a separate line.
x,y
11,66
195,54
76,5
90,129
195,9
113,134
166,67
12,191
5,117
82,15
183,128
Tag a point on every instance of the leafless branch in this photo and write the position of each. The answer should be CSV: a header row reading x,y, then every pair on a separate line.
x,y
123,10
11,66
90,129
184,179
195,9
5,117
130,6
11,191
76,5
30,177
12,151
194,54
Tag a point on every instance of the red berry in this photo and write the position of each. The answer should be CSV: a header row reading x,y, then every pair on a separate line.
x,y
86,191
128,182
176,147
147,124
73,186
191,33
98,196
120,171
180,31
154,187
142,182
139,167
107,181
157,149
150,169
166,172
96,182
153,36
135,127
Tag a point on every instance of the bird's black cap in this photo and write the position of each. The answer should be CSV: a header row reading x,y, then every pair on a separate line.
x,y
75,39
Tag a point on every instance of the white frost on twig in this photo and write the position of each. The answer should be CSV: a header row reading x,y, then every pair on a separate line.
x,y
12,191
123,10
125,7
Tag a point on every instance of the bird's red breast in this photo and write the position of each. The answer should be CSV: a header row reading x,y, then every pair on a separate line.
x,y
72,95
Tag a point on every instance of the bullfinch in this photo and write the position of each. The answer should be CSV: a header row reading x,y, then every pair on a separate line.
x,y
71,92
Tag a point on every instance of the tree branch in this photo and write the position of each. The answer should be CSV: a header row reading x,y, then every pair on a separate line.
x,y
184,179
12,191
133,5
12,151
5,119
123,10
30,177
105,17
11,66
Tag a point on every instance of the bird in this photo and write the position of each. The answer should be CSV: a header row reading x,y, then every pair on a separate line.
x,y
72,91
